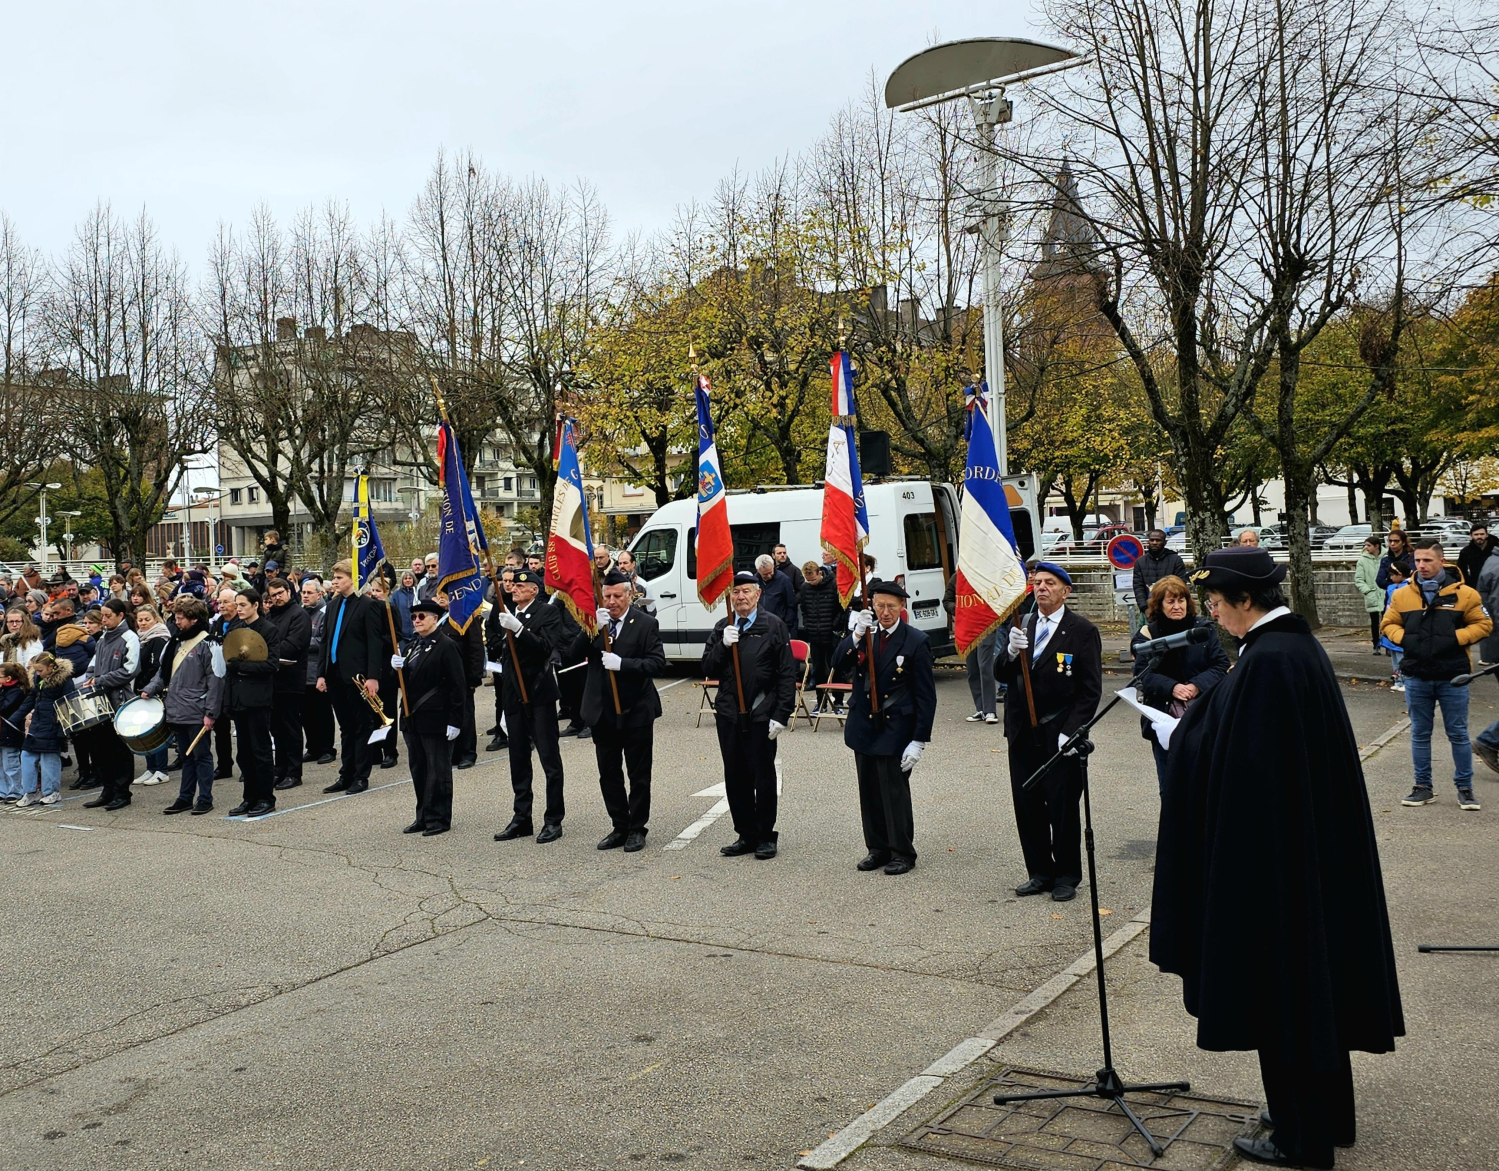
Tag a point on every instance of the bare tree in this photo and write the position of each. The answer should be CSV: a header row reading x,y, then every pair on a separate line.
x,y
29,437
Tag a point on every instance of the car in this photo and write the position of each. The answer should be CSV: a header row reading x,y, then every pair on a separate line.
x,y
1320,533
1177,541
1055,541
1348,539
1271,536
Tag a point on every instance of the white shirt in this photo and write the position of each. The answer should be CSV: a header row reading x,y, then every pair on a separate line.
x,y
1046,625
1278,612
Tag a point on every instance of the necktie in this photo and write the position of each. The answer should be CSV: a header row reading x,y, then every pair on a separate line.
x,y
614,630
1043,632
338,627
743,624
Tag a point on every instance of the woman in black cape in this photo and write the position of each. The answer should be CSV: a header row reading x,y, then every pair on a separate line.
x,y
1269,901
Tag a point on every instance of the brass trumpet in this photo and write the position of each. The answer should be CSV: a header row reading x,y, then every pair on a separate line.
x,y
374,701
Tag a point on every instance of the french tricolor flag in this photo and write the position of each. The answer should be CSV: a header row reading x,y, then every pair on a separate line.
x,y
991,575
843,386
569,554
715,541
845,520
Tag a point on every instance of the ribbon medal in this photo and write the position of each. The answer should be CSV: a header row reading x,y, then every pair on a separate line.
x,y
1064,664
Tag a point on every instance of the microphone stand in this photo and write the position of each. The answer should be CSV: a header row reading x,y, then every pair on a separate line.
x,y
1107,1083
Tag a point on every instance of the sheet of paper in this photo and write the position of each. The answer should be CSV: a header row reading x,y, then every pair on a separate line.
x,y
493,668
1161,723
379,734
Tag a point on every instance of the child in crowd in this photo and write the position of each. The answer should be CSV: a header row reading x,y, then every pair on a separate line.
x,y
1398,575
15,700
41,751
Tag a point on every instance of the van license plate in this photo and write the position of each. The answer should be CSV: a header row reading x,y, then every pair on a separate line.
x,y
925,609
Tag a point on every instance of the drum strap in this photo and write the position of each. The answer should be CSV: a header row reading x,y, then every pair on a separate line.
x,y
184,650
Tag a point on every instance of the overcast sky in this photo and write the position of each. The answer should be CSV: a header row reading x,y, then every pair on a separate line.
x,y
199,111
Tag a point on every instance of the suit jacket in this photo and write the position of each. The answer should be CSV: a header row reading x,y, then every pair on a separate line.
x,y
470,646
539,636
435,685
769,670
643,658
248,686
361,643
1066,689
908,692
295,628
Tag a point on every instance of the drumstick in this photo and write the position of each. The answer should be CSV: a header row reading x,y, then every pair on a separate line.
x,y
202,732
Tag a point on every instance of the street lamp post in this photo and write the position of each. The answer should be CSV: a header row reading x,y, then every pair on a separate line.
x,y
43,520
67,537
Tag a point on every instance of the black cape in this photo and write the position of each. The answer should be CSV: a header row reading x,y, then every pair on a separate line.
x,y
1269,901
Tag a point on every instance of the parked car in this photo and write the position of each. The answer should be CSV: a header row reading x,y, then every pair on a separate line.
x,y
1320,533
1348,539
1271,536
1055,542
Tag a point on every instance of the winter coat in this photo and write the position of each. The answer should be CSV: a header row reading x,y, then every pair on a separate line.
x,y
778,597
1201,663
13,650
1473,557
117,658
1366,581
192,689
315,642
1383,577
1151,568
1488,590
820,611
15,702
1436,636
74,644
46,734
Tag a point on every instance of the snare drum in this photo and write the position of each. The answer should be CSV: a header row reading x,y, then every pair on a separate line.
x,y
82,711
141,724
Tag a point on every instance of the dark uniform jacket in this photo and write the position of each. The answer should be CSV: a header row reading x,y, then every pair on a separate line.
x,y
778,596
250,685
769,671
470,646
908,693
539,637
294,629
1067,680
642,659
361,647
314,641
435,685
1203,664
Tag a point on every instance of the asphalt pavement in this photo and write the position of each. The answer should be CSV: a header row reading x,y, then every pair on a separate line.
x,y
315,989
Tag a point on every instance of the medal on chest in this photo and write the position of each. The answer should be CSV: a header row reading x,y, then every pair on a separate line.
x,y
1064,664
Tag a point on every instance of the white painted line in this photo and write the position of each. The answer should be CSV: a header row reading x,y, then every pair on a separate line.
x,y
89,828
686,837
324,801
718,790
673,683
963,1054
1366,753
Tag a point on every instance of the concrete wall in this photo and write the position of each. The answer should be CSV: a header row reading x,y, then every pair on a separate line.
x,y
1338,603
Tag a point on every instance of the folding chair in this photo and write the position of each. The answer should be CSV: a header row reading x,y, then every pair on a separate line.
x,y
705,704
802,653
826,694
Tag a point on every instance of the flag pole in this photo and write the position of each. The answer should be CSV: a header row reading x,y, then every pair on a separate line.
x,y
728,594
598,598
874,687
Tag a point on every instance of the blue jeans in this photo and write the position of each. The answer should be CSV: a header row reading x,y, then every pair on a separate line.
x,y
41,770
10,781
1422,697
157,761
197,769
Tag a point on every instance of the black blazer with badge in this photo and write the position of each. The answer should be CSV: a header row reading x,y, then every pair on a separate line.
x,y
908,693
642,659
1067,680
767,664
539,636
362,642
435,684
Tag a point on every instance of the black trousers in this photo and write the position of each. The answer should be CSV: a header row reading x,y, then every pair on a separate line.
x,y
466,747
355,723
432,777
257,764
114,764
616,749
1047,815
885,806
286,730
535,725
1312,1109
1374,619
223,746
317,720
390,700
822,661
749,775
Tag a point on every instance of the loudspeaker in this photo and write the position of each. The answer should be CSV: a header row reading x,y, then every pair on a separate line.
x,y
874,453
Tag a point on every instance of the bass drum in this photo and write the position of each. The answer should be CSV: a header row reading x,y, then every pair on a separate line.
x,y
142,725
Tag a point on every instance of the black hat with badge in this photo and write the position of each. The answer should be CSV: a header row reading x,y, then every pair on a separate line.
x,y
1240,568
745,577
615,578
431,608
891,588
526,577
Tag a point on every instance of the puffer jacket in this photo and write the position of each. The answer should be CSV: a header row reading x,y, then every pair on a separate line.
x,y
820,611
192,689
45,733
74,644
15,702
1436,637
117,658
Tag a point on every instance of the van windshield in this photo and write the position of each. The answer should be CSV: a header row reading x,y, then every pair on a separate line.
x,y
655,552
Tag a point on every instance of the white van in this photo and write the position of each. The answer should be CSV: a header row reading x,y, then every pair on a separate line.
x,y
913,537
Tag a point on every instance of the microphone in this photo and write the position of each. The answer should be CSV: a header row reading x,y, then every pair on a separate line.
x,y
1172,641
1464,680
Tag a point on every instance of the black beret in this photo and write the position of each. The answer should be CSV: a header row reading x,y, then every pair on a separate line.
x,y
525,577
745,577
428,608
615,577
894,589
1240,568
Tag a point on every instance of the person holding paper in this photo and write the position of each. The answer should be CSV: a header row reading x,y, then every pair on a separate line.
x,y
1180,677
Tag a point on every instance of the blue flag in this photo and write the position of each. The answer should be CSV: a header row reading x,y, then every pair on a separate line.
x,y
368,552
460,569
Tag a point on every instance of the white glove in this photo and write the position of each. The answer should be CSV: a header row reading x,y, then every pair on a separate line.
x,y
1163,729
730,634
611,661
602,617
397,661
776,728
453,732
860,623
509,621
1062,739
911,755
1019,641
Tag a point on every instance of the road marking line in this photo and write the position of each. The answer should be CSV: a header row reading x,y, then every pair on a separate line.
x,y
673,683
863,1128
324,801
64,825
1365,753
685,838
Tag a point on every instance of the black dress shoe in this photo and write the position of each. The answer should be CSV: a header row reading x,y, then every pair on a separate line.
x,y
336,787
201,808
765,851
239,810
873,860
636,841
327,758
117,803
570,730
178,806
260,809
1262,1150
288,783
390,762
585,733
86,783
1034,886
98,802
899,866
737,847
1268,1123
465,762
415,827
175,766
497,743
516,829
495,731
613,840
433,830
308,757
549,833
224,774
1062,893
359,788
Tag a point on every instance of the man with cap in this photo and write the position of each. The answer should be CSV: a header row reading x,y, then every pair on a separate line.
x,y
531,633
756,694
435,683
1064,655
889,741
1265,820
623,737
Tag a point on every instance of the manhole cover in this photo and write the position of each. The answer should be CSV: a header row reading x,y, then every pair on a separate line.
x,y
1083,1134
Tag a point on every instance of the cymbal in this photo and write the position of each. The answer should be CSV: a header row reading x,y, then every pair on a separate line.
x,y
245,646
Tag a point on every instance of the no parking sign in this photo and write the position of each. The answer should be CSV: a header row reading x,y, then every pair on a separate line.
x,y
1124,550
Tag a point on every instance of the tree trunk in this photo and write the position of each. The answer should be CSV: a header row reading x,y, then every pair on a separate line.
x,y
1301,487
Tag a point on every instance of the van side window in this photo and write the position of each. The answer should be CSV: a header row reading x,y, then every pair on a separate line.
x,y
921,541
655,552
